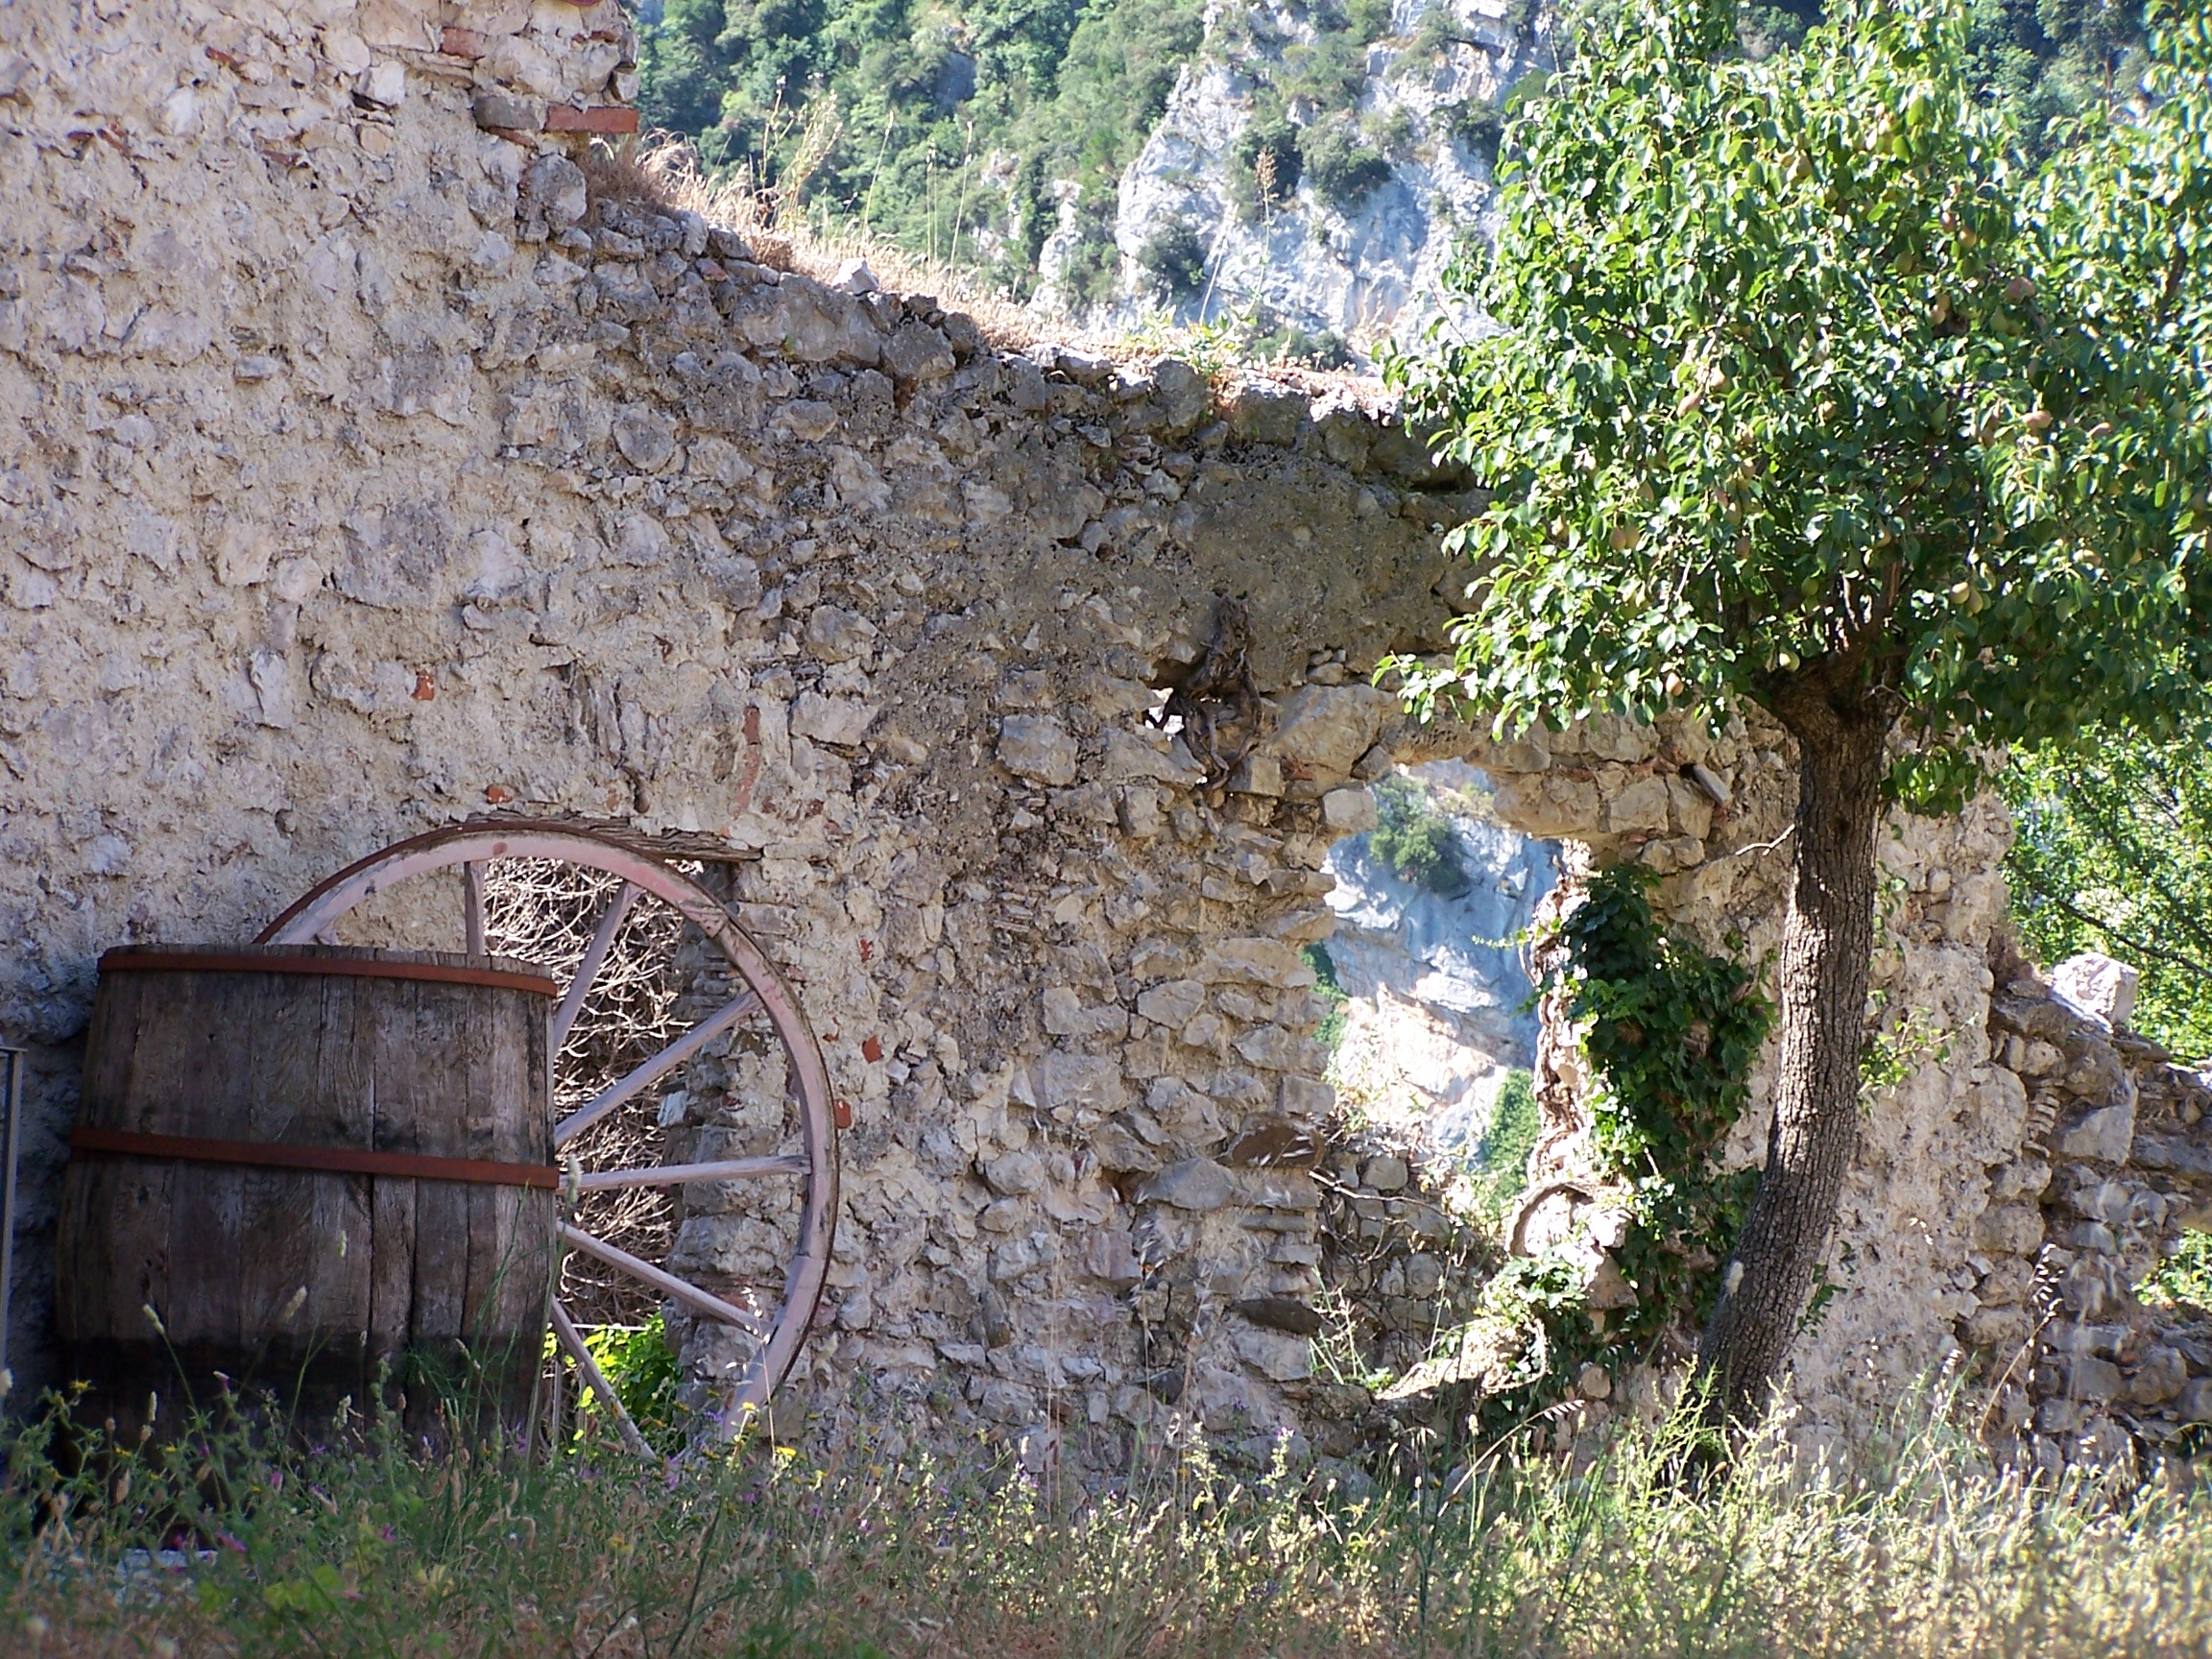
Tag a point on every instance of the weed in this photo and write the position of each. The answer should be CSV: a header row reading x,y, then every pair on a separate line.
x,y
208,1543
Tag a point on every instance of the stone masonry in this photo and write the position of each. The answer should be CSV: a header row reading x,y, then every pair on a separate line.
x,y
366,465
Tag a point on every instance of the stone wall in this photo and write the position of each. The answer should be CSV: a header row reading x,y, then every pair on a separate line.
x,y
2114,1164
362,471
363,468
1712,817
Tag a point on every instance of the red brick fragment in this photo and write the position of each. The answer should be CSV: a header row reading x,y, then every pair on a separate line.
x,y
872,1049
595,118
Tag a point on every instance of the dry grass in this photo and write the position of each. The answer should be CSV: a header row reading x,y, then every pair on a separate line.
x,y
1919,1551
662,171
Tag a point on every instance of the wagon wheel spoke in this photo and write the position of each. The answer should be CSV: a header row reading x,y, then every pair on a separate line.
x,y
667,1284
678,1174
775,1316
656,1068
595,959
572,1343
472,878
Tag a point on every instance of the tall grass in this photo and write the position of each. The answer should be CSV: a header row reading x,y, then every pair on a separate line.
x,y
204,1544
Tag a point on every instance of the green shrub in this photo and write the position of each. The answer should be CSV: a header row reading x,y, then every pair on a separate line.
x,y
1344,170
1414,839
2184,1278
1504,1153
1390,132
1331,1031
643,1369
1269,161
1174,257
1091,270
2113,852
1477,125
1669,1034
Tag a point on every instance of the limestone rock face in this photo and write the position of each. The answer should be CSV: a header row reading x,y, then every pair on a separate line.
x,y
1438,1005
1342,264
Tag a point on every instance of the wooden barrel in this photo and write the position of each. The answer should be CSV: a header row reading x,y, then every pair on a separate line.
x,y
317,1165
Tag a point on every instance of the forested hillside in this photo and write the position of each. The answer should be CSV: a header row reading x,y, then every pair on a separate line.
x,y
941,127
957,127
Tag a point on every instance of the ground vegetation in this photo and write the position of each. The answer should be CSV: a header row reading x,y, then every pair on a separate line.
x,y
202,1544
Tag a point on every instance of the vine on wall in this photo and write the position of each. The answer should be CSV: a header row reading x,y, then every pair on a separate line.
x,y
1669,1034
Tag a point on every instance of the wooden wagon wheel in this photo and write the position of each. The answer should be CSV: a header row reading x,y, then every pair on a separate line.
x,y
775,1332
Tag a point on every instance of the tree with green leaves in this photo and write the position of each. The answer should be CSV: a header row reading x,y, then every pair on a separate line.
x,y
1807,389
2112,851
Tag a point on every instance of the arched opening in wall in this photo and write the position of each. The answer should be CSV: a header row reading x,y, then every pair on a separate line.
x,y
1434,1019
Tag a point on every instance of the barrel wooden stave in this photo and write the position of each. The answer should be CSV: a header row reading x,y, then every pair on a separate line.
x,y
442,1283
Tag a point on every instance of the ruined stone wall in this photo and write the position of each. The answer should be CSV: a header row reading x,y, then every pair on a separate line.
x,y
2114,1165
1712,817
361,473
361,470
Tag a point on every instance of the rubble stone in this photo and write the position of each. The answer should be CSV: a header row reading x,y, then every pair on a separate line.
x,y
1037,747
1194,1184
2097,987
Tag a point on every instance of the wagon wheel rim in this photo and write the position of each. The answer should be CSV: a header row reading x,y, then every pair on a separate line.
x,y
469,847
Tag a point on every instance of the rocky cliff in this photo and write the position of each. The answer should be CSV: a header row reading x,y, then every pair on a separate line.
x,y
1331,203
1438,992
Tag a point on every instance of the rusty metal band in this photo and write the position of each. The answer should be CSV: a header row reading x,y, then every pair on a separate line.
x,y
341,966
319,1160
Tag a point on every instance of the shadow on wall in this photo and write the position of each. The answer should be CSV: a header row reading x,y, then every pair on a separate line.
x,y
1426,906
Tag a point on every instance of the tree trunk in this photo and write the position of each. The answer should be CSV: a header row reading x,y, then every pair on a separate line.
x,y
1827,945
